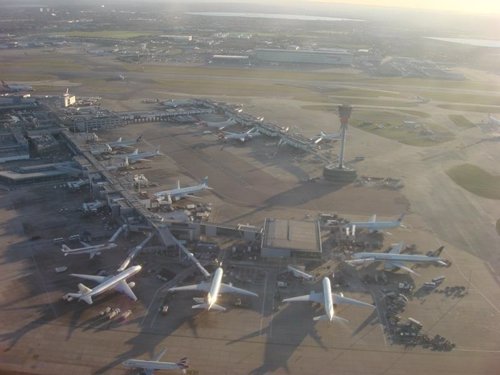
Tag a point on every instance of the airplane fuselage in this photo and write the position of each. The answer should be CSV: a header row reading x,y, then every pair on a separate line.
x,y
114,280
150,365
328,301
89,249
215,288
377,225
181,192
396,257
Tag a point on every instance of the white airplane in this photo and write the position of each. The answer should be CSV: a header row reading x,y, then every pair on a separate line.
x,y
15,87
242,137
328,300
137,156
120,143
394,259
374,225
117,282
92,250
179,193
219,125
298,273
326,137
148,367
213,288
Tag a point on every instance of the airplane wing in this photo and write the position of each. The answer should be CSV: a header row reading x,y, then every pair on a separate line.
x,y
396,249
123,287
85,244
160,355
312,297
204,286
97,279
225,288
403,267
373,218
340,299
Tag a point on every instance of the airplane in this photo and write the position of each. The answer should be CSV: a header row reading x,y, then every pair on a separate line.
x,y
242,137
148,367
137,156
118,282
92,250
328,300
298,273
374,225
119,143
179,193
219,125
395,260
213,288
326,137
15,87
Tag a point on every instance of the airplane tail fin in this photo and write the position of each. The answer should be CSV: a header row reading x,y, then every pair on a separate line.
x,y
139,138
400,218
136,151
65,249
438,251
204,182
83,289
183,363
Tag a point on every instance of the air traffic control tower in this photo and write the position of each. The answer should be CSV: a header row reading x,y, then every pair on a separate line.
x,y
339,173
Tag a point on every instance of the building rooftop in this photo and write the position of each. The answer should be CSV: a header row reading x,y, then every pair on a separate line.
x,y
295,235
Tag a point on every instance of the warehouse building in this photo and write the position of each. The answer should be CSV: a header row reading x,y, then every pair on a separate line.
x,y
291,238
325,56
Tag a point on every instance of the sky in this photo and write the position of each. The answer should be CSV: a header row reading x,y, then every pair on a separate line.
x,y
462,6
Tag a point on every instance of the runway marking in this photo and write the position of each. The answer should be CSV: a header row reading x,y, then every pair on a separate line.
x,y
469,279
263,306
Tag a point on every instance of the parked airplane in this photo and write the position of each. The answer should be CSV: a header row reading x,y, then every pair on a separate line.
x,y
374,225
117,282
219,125
213,288
15,87
92,250
242,137
179,193
328,300
394,259
137,156
326,137
120,143
148,367
298,273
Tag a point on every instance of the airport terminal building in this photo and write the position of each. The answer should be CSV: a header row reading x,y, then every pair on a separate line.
x,y
291,238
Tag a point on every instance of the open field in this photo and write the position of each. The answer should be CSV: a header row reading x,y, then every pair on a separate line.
x,y
470,108
476,180
461,121
105,34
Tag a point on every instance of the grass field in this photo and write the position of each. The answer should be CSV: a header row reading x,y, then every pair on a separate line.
x,y
407,136
470,108
461,121
111,34
476,180
462,98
